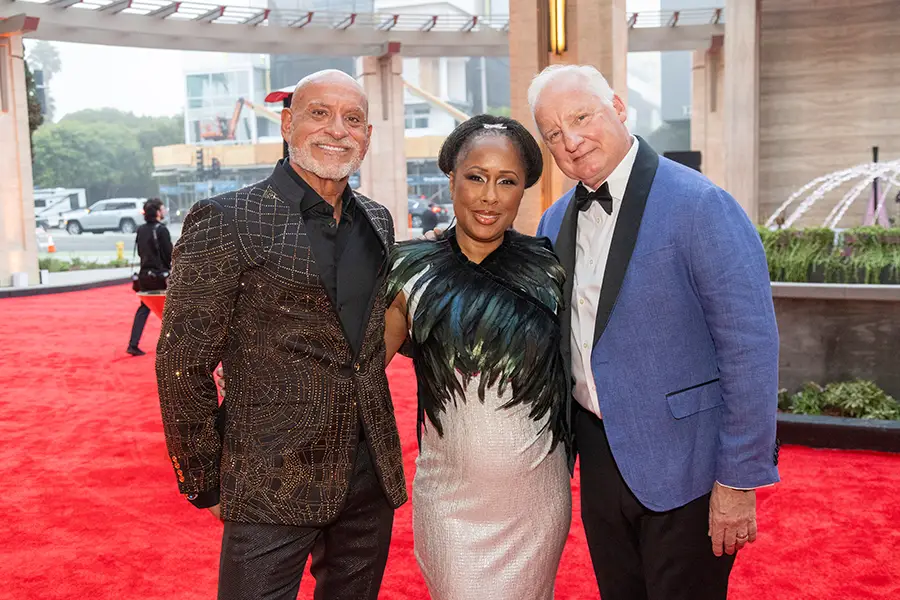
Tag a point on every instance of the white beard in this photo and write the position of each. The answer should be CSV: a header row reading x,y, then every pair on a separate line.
x,y
303,157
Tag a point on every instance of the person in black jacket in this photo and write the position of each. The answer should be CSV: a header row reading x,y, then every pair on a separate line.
x,y
154,246
429,218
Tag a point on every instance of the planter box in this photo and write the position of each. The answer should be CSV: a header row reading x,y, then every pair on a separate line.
x,y
838,432
887,276
837,332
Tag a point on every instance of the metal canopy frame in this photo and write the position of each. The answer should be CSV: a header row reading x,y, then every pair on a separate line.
x,y
184,25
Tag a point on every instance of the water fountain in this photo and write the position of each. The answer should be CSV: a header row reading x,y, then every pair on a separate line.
x,y
887,174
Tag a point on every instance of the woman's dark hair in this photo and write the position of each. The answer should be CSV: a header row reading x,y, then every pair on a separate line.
x,y
460,141
151,209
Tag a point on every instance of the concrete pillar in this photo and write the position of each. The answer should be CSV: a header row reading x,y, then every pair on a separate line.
x,y
18,244
597,34
443,78
742,103
383,176
707,110
528,55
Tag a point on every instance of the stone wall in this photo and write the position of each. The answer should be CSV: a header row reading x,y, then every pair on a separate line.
x,y
835,333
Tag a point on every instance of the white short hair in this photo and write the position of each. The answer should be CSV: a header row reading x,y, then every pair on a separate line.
x,y
594,81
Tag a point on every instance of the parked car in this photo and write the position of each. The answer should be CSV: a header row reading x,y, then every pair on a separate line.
x,y
417,206
113,214
51,204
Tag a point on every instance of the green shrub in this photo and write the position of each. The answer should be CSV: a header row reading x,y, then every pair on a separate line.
x,y
792,252
872,249
56,265
857,255
858,399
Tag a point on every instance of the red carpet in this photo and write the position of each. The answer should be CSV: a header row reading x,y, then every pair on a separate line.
x,y
91,509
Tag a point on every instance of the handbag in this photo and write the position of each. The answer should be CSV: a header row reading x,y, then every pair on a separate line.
x,y
135,280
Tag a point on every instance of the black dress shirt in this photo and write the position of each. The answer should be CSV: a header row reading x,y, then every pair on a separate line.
x,y
348,254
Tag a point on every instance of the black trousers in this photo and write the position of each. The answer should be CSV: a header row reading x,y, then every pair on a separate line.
x,y
639,554
266,562
137,328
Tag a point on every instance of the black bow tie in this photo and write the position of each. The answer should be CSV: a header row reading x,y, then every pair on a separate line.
x,y
583,198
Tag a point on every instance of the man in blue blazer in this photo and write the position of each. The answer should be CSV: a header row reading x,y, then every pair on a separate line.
x,y
671,335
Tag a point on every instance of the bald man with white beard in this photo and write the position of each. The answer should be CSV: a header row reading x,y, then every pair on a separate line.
x,y
279,282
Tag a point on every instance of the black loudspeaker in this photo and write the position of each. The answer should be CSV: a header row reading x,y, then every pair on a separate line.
x,y
690,158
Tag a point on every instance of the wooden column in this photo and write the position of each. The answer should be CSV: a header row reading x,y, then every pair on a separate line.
x,y
528,55
383,176
597,34
742,103
707,110
18,243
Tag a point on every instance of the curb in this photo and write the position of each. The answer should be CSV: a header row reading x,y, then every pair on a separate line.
x,y
839,432
75,287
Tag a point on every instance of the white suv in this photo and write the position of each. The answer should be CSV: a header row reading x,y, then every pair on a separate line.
x,y
114,214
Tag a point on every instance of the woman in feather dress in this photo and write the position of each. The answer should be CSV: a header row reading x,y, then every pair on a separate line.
x,y
491,496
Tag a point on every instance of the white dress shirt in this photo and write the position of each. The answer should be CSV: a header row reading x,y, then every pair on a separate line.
x,y
592,243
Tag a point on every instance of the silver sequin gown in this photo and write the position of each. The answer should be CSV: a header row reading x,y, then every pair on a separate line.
x,y
491,504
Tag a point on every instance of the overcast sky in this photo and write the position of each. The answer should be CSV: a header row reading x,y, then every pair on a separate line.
x,y
146,82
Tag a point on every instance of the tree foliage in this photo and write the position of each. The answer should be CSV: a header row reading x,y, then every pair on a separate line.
x,y
35,118
106,151
44,56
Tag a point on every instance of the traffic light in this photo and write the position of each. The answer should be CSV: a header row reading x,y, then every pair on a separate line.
x,y
200,161
216,168
40,91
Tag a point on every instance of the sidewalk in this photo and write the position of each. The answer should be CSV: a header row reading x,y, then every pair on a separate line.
x,y
71,281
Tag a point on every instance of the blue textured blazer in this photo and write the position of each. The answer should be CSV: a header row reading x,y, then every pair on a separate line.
x,y
685,355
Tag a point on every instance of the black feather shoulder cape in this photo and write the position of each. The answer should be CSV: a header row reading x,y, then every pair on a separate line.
x,y
498,319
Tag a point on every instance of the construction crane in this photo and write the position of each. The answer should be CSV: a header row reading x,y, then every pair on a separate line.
x,y
225,129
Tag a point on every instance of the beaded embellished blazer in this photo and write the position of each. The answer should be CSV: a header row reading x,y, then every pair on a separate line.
x,y
244,290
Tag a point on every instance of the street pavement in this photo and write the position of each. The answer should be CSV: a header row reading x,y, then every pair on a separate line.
x,y
101,247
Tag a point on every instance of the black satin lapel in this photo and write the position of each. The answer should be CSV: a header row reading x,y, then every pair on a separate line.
x,y
625,236
565,251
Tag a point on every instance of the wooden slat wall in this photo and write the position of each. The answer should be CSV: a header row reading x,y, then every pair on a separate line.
x,y
829,91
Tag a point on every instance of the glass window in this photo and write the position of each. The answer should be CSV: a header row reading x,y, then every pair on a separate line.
x,y
243,84
259,86
264,127
195,85
218,84
243,131
194,131
416,117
